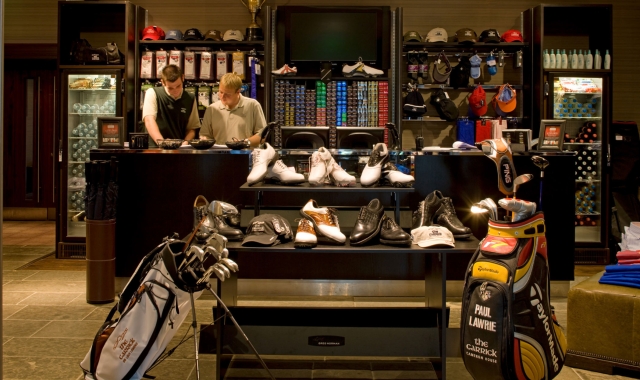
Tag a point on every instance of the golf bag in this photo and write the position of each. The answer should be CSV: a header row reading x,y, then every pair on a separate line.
x,y
151,307
508,328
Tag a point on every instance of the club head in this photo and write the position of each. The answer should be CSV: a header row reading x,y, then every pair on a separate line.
x,y
486,205
524,178
540,162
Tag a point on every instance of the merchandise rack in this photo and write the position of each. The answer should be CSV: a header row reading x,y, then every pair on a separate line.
x,y
347,331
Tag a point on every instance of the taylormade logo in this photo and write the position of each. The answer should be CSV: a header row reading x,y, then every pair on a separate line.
x,y
536,301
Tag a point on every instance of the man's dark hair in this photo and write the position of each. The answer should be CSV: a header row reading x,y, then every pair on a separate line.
x,y
171,73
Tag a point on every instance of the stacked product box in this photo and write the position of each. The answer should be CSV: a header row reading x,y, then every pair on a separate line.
x,y
299,106
321,104
352,104
310,110
331,103
279,102
372,109
383,108
341,103
362,104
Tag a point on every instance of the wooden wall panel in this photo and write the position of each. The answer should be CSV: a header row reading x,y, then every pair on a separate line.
x,y
35,21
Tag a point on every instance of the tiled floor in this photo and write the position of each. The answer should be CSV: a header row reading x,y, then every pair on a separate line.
x,y
48,327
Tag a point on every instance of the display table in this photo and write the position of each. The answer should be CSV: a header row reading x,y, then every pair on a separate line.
x,y
396,332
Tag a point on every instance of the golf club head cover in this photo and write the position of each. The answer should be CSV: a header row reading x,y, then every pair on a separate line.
x,y
499,151
519,208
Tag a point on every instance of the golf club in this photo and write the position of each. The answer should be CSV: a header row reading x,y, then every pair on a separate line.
x,y
486,205
524,178
541,163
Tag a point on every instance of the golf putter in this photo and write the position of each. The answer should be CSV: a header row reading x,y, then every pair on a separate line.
x,y
541,163
499,151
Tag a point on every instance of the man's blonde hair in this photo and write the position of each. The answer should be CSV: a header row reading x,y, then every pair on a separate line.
x,y
231,80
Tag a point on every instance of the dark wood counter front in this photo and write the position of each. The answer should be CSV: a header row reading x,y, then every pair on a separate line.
x,y
156,192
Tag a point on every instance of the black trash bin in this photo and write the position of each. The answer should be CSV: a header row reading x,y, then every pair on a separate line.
x,y
101,260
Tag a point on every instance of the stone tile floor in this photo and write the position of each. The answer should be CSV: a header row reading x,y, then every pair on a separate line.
x,y
48,327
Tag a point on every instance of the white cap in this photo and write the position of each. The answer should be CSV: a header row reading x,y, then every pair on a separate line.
x,y
437,35
429,236
233,35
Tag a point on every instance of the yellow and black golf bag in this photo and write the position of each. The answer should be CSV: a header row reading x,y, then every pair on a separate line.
x,y
508,328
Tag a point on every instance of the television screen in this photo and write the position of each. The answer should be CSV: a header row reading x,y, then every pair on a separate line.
x,y
304,137
359,138
333,36
309,35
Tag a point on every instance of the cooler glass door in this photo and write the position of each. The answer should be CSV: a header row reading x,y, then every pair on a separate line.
x,y
87,95
579,100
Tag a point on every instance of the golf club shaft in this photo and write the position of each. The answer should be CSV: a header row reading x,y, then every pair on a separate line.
x,y
541,187
195,335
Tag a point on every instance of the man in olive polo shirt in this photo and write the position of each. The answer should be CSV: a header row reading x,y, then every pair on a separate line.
x,y
169,112
233,115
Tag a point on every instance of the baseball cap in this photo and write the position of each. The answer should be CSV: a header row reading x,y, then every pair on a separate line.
x,y
214,35
431,236
267,230
511,35
233,35
506,98
466,35
153,33
437,35
489,35
478,101
173,34
496,106
412,36
192,34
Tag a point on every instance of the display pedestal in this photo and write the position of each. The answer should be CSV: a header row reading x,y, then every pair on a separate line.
x,y
101,260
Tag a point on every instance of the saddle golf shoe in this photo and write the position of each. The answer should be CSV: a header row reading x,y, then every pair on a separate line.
x,y
371,173
262,158
394,177
318,167
368,223
392,234
446,217
280,173
324,220
229,211
305,235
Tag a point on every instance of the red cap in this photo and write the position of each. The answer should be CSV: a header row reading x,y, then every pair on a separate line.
x,y
478,101
511,35
153,33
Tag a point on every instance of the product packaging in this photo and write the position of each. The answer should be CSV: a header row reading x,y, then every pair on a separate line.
x,y
175,58
189,65
238,64
206,66
221,66
146,65
161,61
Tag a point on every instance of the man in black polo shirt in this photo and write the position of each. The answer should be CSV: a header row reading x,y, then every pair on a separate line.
x,y
169,112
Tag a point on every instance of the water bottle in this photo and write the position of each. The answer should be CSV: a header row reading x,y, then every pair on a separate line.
x,y
588,61
558,59
546,59
574,59
580,60
565,63
607,60
597,61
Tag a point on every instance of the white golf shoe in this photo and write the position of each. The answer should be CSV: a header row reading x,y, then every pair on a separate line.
x,y
371,173
280,173
339,176
262,158
318,167
324,220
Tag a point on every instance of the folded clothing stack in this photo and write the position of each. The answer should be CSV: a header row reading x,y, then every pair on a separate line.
x,y
623,275
628,257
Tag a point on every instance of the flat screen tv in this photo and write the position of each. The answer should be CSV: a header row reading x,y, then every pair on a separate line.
x,y
310,35
359,137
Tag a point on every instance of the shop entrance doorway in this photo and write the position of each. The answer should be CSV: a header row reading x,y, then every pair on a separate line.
x,y
30,139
